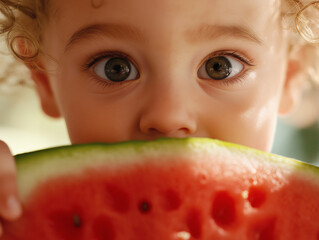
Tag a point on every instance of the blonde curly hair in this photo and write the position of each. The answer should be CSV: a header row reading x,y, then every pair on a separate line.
x,y
23,20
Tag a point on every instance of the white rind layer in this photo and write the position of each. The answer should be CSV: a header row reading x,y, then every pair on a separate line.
x,y
36,167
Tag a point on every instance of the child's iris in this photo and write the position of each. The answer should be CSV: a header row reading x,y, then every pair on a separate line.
x,y
218,68
117,69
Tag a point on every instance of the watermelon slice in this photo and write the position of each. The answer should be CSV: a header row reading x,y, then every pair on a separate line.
x,y
168,189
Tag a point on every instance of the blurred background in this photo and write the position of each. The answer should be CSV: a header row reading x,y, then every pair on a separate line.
x,y
25,128
23,125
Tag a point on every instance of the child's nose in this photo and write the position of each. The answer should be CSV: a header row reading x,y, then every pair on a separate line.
x,y
168,113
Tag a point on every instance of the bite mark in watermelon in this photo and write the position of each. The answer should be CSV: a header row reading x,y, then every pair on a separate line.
x,y
176,189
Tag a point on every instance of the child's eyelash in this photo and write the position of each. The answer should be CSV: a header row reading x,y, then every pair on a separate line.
x,y
98,57
110,54
95,59
235,54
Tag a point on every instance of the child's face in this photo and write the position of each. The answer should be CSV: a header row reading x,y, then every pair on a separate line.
x,y
204,68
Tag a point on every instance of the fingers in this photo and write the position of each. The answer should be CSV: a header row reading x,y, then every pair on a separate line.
x,y
10,208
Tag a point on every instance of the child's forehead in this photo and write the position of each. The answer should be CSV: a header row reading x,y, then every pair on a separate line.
x,y
171,16
213,7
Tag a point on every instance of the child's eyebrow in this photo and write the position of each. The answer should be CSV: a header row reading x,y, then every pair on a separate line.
x,y
118,31
203,33
208,32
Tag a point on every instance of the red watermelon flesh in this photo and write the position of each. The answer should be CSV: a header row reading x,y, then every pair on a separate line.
x,y
169,189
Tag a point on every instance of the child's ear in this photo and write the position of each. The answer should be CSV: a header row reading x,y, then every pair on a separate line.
x,y
296,76
24,47
44,89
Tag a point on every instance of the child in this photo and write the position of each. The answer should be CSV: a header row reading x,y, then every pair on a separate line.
x,y
123,70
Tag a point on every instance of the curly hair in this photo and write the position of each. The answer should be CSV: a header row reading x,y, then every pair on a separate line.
x,y
23,20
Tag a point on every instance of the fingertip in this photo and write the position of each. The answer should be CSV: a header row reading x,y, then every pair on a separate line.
x,y
14,209
11,209
5,153
3,145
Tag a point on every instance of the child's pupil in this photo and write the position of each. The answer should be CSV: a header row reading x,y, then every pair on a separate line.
x,y
117,69
218,68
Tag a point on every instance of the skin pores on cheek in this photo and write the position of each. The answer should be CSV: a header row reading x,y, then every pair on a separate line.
x,y
164,42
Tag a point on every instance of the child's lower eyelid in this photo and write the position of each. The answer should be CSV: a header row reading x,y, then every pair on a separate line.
x,y
105,83
237,80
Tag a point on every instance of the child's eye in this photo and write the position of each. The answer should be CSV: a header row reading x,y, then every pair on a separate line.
x,y
220,67
115,69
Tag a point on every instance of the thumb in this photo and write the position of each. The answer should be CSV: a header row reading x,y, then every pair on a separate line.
x,y
10,208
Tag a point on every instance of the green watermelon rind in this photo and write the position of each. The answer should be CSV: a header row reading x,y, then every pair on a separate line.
x,y
36,170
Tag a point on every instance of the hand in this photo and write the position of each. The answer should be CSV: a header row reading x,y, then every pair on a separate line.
x,y
10,208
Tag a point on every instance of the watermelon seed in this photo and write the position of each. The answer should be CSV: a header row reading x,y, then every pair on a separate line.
x,y
77,222
145,207
66,223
